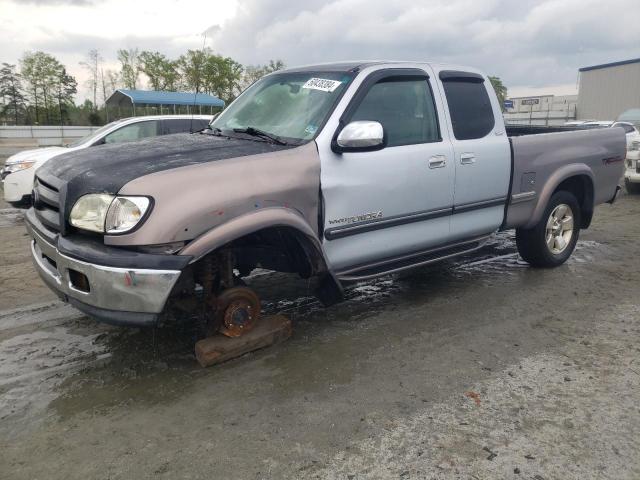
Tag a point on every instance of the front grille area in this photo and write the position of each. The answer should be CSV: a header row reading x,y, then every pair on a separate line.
x,y
46,202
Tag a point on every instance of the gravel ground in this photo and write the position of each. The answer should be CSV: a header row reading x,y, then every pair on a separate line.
x,y
479,368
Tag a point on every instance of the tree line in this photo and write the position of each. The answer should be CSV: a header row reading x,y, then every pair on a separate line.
x,y
40,91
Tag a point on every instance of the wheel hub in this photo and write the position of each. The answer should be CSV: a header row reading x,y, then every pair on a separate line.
x,y
559,231
238,311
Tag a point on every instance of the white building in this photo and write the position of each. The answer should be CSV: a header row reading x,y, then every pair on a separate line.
x,y
608,90
541,109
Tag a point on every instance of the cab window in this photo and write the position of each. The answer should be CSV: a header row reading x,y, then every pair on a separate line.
x,y
469,107
133,132
405,108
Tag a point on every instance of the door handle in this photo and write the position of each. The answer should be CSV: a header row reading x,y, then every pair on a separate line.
x,y
437,161
467,158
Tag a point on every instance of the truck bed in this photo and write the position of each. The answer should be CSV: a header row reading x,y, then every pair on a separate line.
x,y
543,157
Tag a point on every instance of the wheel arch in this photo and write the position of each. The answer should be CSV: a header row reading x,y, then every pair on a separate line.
x,y
577,179
287,222
249,223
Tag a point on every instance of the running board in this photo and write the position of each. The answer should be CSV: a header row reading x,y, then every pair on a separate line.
x,y
413,260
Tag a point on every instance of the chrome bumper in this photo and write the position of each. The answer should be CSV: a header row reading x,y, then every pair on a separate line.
x,y
106,288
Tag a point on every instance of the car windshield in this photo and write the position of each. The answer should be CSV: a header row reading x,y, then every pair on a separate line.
x,y
93,136
292,106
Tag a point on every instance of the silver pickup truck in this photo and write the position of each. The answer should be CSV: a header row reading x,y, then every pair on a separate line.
x,y
341,172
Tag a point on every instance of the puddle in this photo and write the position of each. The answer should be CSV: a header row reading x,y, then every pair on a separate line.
x,y
52,355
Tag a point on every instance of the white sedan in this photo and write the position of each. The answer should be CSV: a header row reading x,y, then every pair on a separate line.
x,y
19,169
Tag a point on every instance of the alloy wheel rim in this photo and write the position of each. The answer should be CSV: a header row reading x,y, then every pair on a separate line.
x,y
559,229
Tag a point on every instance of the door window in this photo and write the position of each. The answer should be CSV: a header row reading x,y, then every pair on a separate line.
x,y
404,107
133,132
469,107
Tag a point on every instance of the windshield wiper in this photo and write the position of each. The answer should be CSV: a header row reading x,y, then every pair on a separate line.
x,y
255,132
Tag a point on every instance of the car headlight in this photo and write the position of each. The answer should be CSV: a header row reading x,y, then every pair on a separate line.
x,y
102,213
11,167
635,145
125,213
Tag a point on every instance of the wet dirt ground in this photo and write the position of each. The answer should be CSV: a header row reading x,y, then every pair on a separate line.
x,y
477,368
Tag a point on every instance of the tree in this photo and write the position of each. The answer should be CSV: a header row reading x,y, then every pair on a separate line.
x,y
253,73
161,71
223,77
203,71
500,89
11,92
92,65
129,67
192,67
41,71
109,80
65,88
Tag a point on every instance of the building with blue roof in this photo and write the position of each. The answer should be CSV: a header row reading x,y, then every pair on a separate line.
x,y
156,102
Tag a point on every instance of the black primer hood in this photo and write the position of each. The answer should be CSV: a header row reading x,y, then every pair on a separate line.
x,y
107,168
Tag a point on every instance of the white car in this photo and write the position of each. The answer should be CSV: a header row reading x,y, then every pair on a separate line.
x,y
19,169
632,170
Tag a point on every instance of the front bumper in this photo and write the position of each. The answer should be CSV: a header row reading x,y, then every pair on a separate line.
x,y
117,295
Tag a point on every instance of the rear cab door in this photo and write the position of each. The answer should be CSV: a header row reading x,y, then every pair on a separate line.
x,y
482,155
382,204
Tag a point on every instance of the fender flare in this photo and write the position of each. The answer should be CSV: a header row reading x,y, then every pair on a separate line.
x,y
250,223
552,183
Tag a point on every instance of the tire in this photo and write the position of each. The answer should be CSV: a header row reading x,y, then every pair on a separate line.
x,y
631,187
550,243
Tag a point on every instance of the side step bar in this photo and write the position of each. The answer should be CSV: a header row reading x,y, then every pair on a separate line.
x,y
413,260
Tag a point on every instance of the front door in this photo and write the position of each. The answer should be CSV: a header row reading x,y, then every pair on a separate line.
x,y
397,200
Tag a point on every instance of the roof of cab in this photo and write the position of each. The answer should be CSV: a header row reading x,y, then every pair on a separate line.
x,y
351,66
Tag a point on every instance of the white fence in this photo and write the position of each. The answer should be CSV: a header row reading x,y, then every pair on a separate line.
x,y
41,136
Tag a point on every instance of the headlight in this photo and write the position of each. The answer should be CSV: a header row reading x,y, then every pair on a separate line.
x,y
90,211
107,213
125,213
635,145
16,167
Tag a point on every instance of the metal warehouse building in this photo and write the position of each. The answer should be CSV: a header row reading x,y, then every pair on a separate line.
x,y
608,90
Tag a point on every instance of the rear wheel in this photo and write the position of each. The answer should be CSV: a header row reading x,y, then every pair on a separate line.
x,y
551,242
631,187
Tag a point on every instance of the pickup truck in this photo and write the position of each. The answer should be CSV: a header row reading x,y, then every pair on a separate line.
x,y
341,172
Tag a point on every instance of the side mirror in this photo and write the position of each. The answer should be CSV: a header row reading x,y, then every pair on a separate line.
x,y
360,136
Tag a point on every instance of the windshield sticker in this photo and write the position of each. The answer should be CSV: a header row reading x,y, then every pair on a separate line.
x,y
322,84
311,129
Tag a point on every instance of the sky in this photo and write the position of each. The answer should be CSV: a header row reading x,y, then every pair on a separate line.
x,y
534,46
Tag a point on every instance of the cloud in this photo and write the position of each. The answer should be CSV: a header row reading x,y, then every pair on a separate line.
x,y
526,42
79,3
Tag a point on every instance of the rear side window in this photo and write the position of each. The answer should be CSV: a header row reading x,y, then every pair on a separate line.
x,y
404,107
469,107
184,125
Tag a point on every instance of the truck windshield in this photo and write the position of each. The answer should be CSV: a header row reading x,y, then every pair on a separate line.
x,y
292,106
